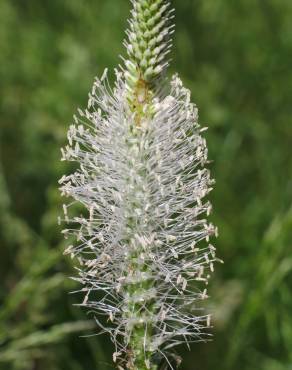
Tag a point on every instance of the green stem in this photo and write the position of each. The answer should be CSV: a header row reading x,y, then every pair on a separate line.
x,y
140,307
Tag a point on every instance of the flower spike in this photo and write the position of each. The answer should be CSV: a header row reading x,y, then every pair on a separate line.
x,y
142,241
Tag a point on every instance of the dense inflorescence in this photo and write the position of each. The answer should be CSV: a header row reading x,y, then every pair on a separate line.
x,y
149,41
142,238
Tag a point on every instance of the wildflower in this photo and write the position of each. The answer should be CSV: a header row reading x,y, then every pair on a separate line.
x,y
142,241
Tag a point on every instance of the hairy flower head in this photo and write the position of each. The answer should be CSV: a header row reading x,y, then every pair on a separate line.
x,y
142,239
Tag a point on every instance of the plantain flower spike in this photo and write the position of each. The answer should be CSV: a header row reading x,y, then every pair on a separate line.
x,y
141,241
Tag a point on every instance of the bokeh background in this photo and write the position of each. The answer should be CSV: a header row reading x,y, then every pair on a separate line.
x,y
236,58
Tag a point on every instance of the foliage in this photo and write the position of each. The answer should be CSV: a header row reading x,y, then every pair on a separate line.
x,y
236,57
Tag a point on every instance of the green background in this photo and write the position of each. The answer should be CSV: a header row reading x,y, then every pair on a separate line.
x,y
236,57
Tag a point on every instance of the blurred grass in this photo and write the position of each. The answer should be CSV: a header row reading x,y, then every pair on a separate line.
x,y
236,58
